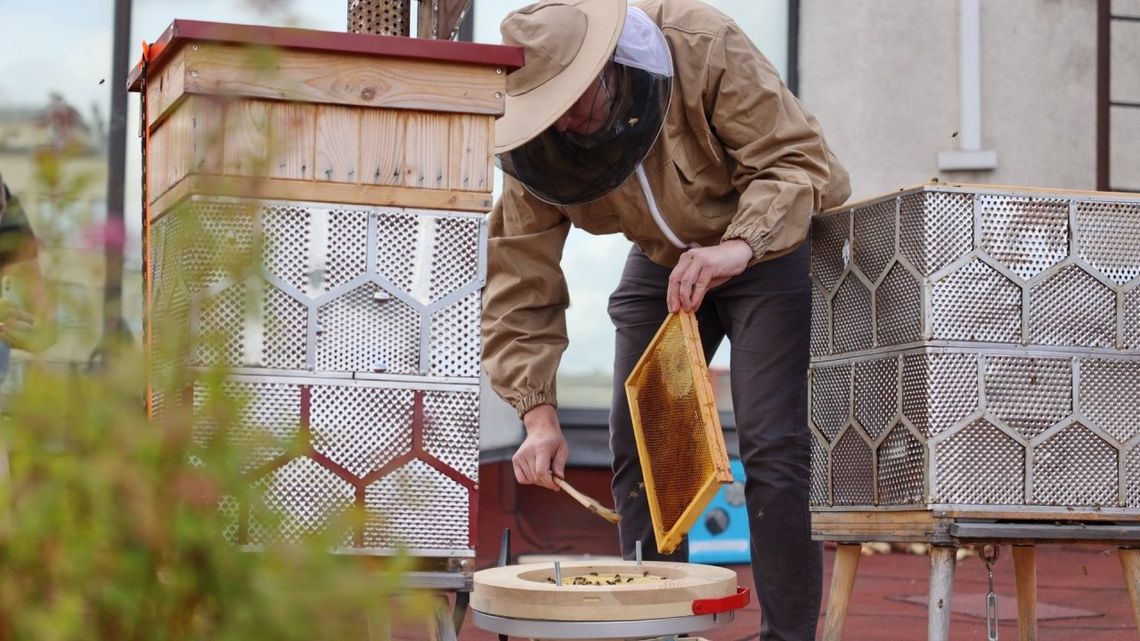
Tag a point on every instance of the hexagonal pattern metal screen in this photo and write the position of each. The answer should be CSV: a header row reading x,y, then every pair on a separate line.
x,y
313,287
354,337
977,347
313,449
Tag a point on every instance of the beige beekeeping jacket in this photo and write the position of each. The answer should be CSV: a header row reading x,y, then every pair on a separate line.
x,y
739,157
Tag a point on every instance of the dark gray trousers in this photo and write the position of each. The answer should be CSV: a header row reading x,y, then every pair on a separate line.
x,y
766,314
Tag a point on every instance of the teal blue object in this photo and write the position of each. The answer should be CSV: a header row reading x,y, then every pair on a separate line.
x,y
720,534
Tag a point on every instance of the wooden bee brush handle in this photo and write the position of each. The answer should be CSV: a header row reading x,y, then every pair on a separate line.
x,y
589,503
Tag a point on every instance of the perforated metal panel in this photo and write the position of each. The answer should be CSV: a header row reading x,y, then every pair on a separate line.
x,y
979,348
902,468
406,456
938,390
1026,234
1108,395
898,319
380,17
820,471
384,291
876,394
935,228
979,464
1072,308
820,332
1029,394
976,303
874,239
853,472
830,399
354,334
1075,467
851,314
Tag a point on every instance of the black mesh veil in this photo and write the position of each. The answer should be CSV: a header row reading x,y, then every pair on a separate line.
x,y
625,111
566,168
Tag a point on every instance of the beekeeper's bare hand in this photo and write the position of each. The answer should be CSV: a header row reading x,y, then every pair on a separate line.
x,y
16,325
543,450
703,268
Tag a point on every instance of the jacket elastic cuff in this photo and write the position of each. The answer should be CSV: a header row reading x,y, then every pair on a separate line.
x,y
532,400
759,247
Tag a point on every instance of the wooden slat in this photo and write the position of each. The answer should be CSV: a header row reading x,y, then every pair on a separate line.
x,y
187,141
292,140
156,160
852,527
246,139
164,87
178,143
278,189
207,128
426,151
382,143
343,79
472,143
337,144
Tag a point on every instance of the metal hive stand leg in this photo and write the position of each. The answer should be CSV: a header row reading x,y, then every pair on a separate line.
x,y
941,588
839,597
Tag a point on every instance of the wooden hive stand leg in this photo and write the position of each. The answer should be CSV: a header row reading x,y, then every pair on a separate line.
x,y
1130,563
1025,576
941,587
442,625
842,581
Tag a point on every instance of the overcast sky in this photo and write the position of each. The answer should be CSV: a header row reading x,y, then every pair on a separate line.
x,y
64,46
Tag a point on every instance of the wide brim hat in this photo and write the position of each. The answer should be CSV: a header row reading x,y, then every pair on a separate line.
x,y
566,44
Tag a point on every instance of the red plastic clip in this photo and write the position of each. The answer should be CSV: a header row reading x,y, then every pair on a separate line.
x,y
723,604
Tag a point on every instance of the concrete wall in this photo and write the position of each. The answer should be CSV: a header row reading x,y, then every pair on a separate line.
x,y
883,79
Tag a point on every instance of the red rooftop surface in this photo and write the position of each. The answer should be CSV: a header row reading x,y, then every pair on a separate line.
x,y
1080,588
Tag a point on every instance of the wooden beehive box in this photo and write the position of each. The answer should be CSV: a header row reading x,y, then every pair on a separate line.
x,y
347,175
261,112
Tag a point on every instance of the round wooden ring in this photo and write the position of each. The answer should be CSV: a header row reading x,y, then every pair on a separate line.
x,y
528,591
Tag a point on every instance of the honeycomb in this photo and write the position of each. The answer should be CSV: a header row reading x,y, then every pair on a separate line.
x,y
675,421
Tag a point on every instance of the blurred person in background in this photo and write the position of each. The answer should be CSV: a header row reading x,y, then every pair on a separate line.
x,y
663,121
25,313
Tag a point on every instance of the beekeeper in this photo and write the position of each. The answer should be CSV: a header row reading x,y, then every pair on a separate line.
x,y
662,121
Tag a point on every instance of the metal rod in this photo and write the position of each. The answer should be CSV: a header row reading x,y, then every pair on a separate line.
x,y
557,573
114,233
1103,93
637,551
793,70
970,76
941,582
505,548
